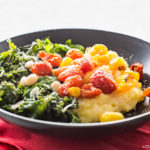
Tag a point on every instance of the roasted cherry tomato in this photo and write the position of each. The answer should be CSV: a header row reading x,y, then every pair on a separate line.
x,y
74,81
41,68
84,63
89,91
53,59
74,54
137,67
146,92
63,90
70,71
42,54
59,70
104,81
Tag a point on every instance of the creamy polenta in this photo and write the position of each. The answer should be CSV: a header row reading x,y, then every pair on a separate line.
x,y
123,99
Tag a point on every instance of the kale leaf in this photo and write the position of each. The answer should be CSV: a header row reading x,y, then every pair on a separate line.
x,y
47,46
8,93
43,84
36,101
50,107
76,46
60,109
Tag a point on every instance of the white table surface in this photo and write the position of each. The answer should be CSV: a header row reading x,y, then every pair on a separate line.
x,y
130,17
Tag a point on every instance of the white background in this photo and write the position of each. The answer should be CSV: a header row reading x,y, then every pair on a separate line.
x,y
130,17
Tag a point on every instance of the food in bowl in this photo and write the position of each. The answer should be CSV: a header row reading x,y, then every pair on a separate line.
x,y
68,83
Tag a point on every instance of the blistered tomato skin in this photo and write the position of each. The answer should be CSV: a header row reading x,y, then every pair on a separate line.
x,y
94,65
41,68
53,59
104,81
146,92
71,71
74,81
59,70
89,91
63,90
84,63
137,67
42,54
74,54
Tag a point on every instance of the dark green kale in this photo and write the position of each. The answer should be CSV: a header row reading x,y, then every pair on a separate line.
x,y
50,107
43,85
39,45
5,57
77,46
13,64
36,101
60,109
47,46
8,93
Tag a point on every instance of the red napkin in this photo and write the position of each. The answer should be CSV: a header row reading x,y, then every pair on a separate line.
x,y
16,138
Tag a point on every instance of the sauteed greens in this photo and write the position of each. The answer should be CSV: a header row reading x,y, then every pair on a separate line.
x,y
38,100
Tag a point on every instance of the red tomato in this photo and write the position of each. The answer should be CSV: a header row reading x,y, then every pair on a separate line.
x,y
53,59
146,92
59,70
84,64
70,71
137,67
104,81
89,91
63,90
74,54
42,54
74,81
41,68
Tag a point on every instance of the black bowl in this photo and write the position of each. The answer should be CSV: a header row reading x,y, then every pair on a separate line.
x,y
125,45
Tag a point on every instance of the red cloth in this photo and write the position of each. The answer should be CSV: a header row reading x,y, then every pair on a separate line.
x,y
16,138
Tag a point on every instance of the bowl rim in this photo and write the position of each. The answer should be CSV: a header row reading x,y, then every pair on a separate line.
x,y
97,124
88,29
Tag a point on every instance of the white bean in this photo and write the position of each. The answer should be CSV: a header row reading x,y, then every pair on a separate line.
x,y
55,86
35,92
29,80
29,64
23,81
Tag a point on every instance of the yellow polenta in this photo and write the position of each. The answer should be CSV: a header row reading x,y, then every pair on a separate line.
x,y
90,109
124,99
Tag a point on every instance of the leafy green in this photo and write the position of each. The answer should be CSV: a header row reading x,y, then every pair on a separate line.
x,y
4,55
39,45
48,46
14,74
12,47
38,100
59,109
44,86
13,66
8,54
50,107
77,46
8,93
